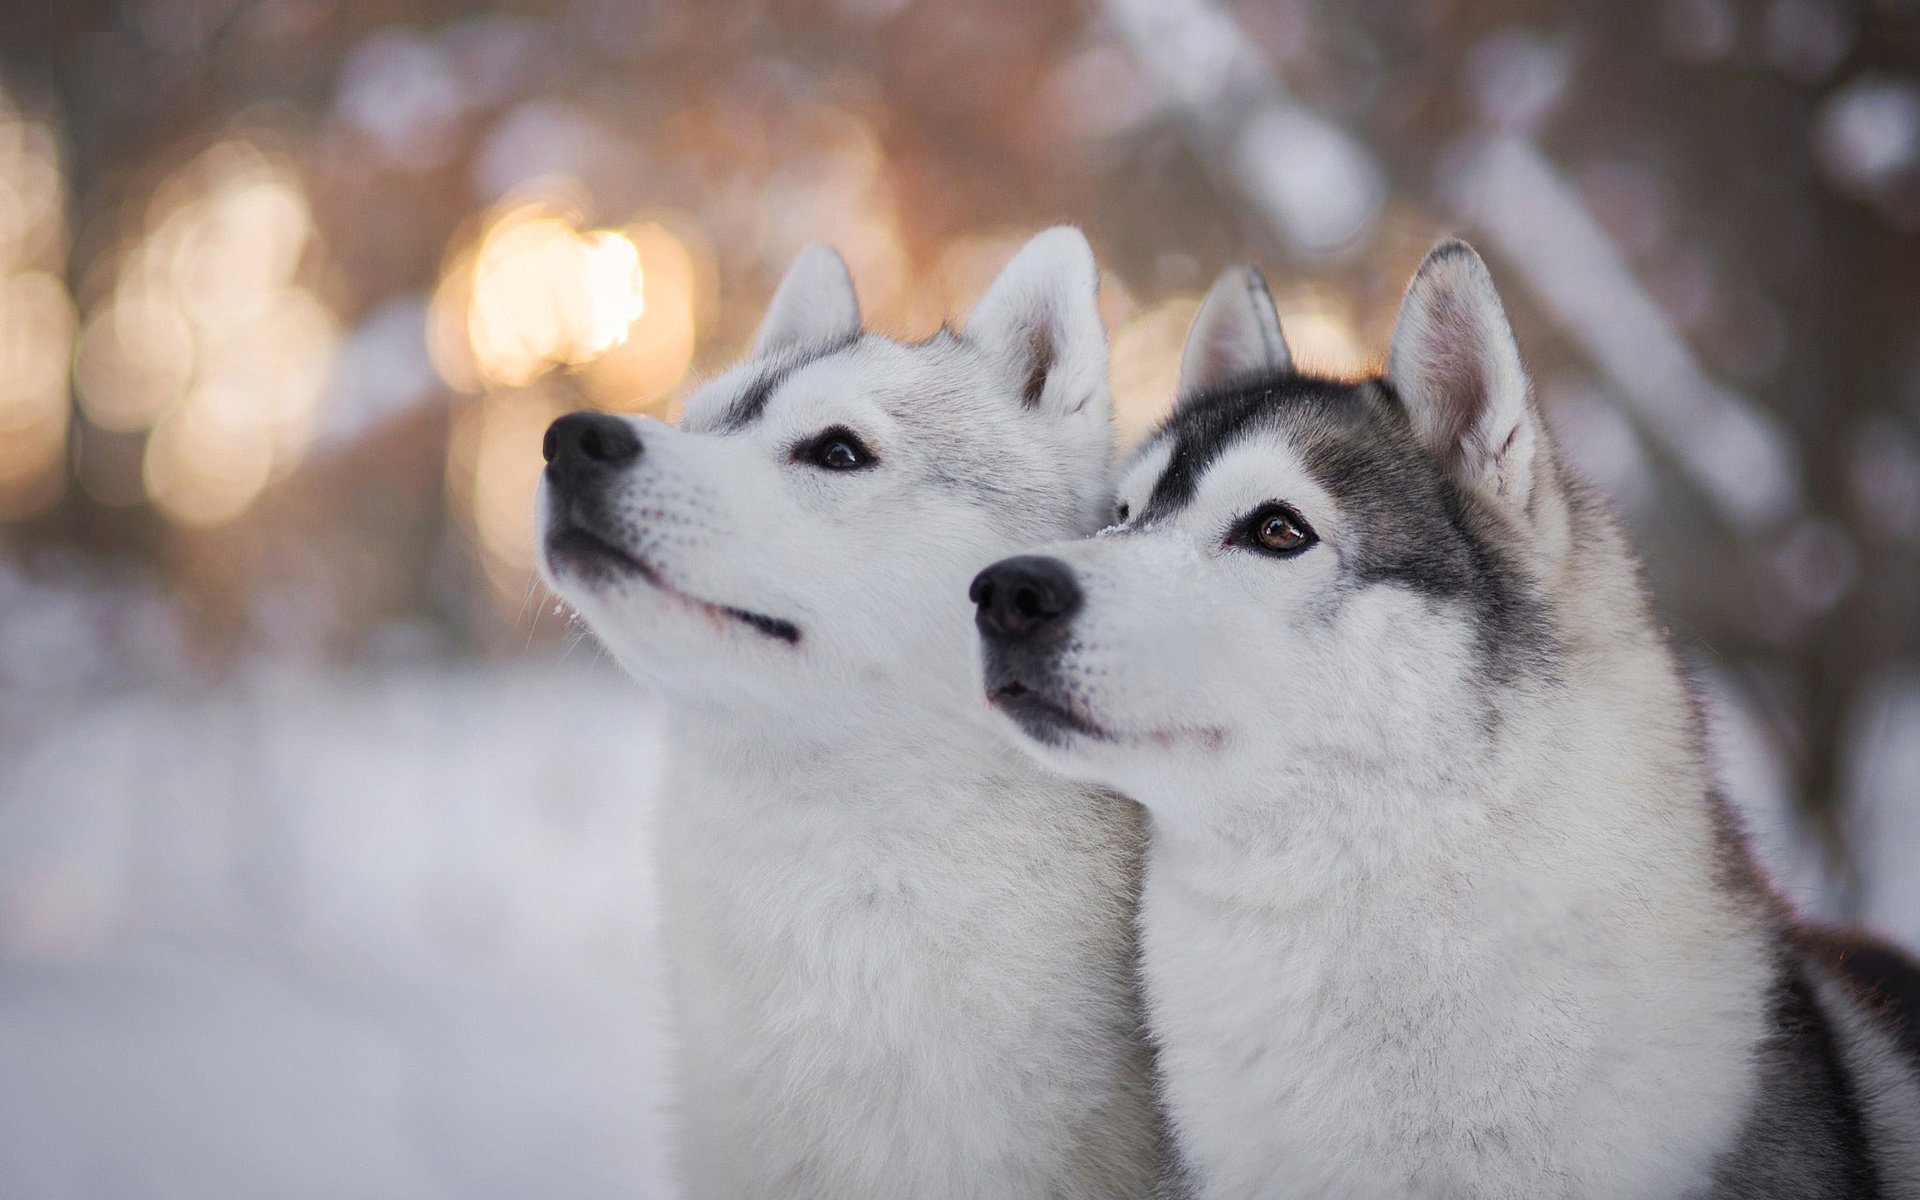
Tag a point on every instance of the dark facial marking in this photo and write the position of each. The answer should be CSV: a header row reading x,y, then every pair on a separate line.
x,y
773,627
1199,430
752,402
1415,526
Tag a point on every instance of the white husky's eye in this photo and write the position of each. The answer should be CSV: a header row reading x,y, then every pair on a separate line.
x,y
1121,512
1274,529
837,449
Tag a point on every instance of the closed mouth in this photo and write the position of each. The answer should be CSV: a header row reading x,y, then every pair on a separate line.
x,y
1040,716
1054,722
582,552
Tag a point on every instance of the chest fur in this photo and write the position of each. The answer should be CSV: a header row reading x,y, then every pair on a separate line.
x,y
884,992
1432,1037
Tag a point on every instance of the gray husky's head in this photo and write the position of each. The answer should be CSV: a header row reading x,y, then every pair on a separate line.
x,y
815,518
1301,572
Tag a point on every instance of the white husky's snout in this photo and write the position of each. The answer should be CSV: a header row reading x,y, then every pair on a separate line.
x,y
628,509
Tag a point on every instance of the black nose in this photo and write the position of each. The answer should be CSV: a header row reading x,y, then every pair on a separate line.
x,y
1017,597
583,445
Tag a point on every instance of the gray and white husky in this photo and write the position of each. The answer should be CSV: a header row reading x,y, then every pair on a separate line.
x,y
901,953
1439,900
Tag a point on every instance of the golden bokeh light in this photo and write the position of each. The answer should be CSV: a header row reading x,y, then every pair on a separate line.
x,y
36,318
542,293
223,251
32,193
134,360
843,193
639,374
448,344
207,338
1145,357
202,469
1321,335
493,471
534,293
1145,360
272,366
36,331
955,281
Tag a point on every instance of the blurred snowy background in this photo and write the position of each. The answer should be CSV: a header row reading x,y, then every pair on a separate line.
x,y
323,842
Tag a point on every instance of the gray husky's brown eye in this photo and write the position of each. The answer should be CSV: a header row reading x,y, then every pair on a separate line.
x,y
1277,529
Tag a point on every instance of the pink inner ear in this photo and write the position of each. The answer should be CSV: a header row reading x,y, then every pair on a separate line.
x,y
1450,345
1216,351
1040,355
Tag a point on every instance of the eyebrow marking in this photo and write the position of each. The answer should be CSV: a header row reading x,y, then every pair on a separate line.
x,y
1416,528
1199,432
752,402
1204,426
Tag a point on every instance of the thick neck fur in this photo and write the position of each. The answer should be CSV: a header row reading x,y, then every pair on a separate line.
x,y
902,960
1482,954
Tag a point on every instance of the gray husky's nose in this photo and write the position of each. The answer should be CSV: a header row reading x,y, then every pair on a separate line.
x,y
1018,597
583,445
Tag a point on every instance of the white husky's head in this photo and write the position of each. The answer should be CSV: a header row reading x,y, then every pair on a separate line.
x,y
814,520
1303,573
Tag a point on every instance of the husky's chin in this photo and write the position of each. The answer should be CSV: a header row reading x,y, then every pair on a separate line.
x,y
580,554
1042,715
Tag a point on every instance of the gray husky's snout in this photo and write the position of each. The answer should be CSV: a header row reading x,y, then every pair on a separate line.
x,y
1025,608
584,448
1018,598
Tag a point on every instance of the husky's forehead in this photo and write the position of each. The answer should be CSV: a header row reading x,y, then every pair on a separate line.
x,y
1331,425
933,381
739,399
944,414
727,409
1400,518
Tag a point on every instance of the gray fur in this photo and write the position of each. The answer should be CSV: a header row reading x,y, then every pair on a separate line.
x,y
1440,899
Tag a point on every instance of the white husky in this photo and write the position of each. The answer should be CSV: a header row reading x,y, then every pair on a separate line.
x,y
1440,901
901,952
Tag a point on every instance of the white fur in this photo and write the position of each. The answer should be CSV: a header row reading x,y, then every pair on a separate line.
x,y
1406,934
815,303
901,951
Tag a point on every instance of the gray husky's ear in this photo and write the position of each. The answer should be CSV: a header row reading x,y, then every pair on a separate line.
x,y
1457,369
1235,334
1041,316
812,305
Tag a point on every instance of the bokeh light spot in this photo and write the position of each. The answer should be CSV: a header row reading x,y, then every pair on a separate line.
x,y
208,338
542,293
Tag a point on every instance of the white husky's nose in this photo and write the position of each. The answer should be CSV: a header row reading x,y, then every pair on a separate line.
x,y
583,448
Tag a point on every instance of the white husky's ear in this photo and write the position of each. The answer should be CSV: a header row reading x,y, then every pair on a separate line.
x,y
1236,333
1041,316
1457,368
813,304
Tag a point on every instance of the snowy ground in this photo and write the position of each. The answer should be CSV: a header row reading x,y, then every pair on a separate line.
x,y
346,936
